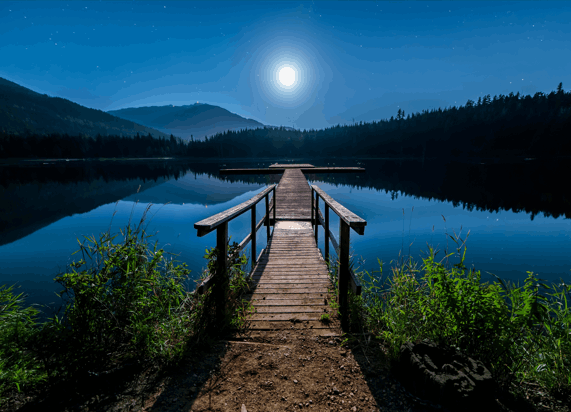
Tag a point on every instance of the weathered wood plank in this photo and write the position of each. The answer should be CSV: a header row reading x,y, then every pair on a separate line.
x,y
281,325
290,165
286,302
273,317
355,222
277,170
207,225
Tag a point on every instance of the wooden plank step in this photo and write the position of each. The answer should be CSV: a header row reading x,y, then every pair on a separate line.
x,y
309,296
291,279
288,325
290,317
295,285
279,272
285,334
294,309
260,303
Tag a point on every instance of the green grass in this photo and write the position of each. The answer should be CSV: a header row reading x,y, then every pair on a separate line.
x,y
521,332
125,300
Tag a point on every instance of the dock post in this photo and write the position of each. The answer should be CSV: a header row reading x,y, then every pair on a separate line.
x,y
316,219
274,199
268,215
253,235
312,211
326,230
221,282
343,277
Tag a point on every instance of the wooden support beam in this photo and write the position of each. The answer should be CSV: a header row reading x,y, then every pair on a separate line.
x,y
221,281
268,216
312,209
207,225
355,222
317,213
326,230
253,234
343,277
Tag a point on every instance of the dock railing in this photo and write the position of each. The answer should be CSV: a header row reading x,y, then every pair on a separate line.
x,y
347,220
219,222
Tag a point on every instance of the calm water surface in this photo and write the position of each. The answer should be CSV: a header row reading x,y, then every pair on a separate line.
x,y
513,227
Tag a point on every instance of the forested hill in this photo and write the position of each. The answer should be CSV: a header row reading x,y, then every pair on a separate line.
x,y
188,122
512,125
499,126
24,112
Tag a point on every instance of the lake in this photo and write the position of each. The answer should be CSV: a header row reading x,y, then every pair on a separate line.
x,y
517,214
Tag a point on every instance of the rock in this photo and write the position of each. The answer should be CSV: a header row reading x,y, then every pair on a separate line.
x,y
444,375
243,408
336,391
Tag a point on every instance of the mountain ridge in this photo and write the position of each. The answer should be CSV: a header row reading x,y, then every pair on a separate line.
x,y
194,121
24,111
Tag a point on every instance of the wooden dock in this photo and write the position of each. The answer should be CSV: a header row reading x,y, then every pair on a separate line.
x,y
291,287
293,196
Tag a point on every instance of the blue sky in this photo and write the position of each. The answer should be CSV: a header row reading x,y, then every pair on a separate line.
x,y
353,60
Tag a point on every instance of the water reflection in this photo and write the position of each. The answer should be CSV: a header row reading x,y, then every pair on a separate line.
x,y
45,208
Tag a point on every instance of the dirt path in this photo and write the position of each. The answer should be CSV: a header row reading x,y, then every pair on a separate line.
x,y
281,374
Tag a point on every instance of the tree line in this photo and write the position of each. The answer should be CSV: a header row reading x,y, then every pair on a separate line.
x,y
513,125
64,146
504,125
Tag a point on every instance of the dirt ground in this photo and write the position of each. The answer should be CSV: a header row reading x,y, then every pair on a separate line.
x,y
282,374
288,372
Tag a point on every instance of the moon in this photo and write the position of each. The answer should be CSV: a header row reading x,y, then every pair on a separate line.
x,y
287,76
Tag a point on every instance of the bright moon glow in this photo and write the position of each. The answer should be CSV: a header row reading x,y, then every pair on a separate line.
x,y
287,76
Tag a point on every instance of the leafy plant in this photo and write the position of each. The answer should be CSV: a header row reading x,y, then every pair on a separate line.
x,y
520,332
18,327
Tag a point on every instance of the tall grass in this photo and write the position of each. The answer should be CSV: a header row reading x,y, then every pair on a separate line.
x,y
521,332
124,299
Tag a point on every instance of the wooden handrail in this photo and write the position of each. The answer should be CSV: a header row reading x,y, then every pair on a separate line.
x,y
248,237
353,281
355,222
219,222
207,225
347,221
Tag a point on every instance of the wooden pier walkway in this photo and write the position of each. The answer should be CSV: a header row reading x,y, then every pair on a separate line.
x,y
291,288
292,285
293,196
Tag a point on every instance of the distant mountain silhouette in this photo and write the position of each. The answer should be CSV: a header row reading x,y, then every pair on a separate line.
x,y
23,111
196,120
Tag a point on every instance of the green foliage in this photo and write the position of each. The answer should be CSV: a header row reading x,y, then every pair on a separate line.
x,y
129,297
124,299
234,308
18,367
519,332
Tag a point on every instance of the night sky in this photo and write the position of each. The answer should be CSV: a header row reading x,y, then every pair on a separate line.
x,y
342,60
